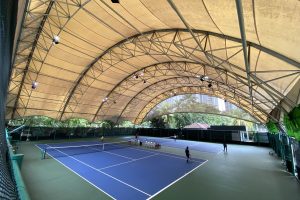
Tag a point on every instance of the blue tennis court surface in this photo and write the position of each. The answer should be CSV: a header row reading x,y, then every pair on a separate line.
x,y
182,144
124,173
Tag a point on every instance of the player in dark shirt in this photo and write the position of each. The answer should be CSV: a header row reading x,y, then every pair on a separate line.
x,y
225,146
187,153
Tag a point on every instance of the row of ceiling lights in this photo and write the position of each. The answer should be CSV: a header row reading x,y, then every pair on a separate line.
x,y
56,40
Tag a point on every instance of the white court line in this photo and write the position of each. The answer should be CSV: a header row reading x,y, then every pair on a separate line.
x,y
176,181
113,153
150,151
90,146
129,161
192,145
104,173
188,143
199,150
118,155
219,152
163,154
79,175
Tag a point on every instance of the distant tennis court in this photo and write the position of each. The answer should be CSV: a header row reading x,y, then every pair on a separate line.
x,y
119,170
181,144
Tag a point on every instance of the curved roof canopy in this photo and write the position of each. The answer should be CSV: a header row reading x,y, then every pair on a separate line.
x,y
117,61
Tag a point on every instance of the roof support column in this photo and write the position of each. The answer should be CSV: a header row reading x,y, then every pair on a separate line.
x,y
189,29
239,8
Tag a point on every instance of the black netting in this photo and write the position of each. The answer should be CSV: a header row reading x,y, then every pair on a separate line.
x,y
8,12
41,133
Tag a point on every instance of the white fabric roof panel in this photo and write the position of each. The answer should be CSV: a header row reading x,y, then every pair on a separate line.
x,y
102,44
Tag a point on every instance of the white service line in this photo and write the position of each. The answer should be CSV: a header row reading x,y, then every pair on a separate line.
x,y
220,152
128,161
176,180
145,150
79,175
202,151
118,155
163,154
104,173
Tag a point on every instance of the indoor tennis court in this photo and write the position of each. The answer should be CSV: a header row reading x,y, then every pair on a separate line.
x,y
122,171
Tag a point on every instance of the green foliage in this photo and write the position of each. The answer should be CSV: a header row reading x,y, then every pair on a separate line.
x,y
146,124
295,116
189,103
158,122
180,120
108,124
238,113
126,124
96,124
292,123
16,122
290,127
272,128
75,122
36,121
43,121
104,124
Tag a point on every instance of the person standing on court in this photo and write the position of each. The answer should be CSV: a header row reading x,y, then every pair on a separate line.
x,y
187,153
175,137
224,146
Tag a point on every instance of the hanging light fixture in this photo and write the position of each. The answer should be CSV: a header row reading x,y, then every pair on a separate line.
x,y
204,78
55,39
105,99
34,85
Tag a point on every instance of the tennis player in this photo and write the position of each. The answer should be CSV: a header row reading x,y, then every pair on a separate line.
x,y
187,153
224,146
102,138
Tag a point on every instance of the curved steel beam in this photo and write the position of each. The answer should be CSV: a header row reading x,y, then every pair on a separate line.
x,y
133,73
259,47
146,89
40,29
179,77
169,62
233,102
239,8
35,42
164,80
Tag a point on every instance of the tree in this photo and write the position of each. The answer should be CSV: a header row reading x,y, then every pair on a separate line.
x,y
35,121
182,120
108,124
158,122
75,122
126,124
145,124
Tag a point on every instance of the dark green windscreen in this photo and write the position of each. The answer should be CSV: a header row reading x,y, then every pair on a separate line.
x,y
8,13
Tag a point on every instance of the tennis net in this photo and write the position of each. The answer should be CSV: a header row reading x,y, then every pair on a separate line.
x,y
64,151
